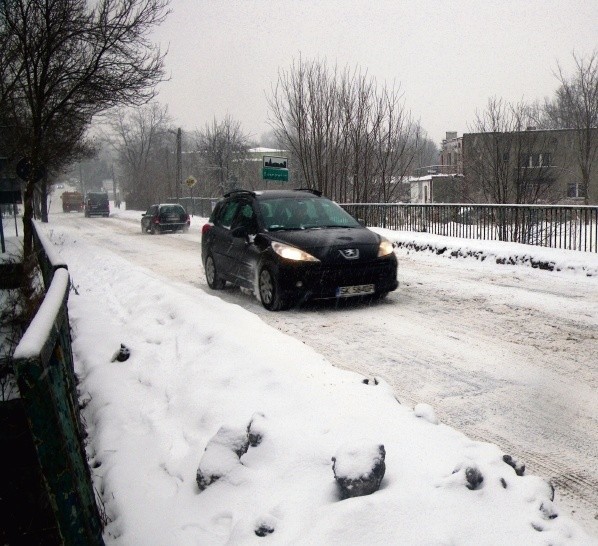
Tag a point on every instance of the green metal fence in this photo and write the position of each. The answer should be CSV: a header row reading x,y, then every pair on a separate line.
x,y
43,365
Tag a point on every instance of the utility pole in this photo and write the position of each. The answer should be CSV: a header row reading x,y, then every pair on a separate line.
x,y
179,165
178,178
116,199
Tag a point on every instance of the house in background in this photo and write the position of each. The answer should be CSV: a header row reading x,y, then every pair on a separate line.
x,y
443,182
437,188
531,166
451,154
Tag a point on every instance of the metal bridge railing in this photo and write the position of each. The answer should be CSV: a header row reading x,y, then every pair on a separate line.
x,y
43,366
554,226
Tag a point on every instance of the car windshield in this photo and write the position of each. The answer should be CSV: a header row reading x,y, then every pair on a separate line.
x,y
304,213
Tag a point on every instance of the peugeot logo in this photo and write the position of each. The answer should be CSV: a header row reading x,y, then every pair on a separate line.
x,y
350,253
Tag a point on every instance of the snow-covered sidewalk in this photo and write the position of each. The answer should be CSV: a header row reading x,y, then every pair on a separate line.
x,y
201,370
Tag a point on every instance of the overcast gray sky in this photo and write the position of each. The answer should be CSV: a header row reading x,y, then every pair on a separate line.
x,y
449,57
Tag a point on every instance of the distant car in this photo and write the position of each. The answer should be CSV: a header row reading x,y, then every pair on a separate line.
x,y
293,245
165,217
96,204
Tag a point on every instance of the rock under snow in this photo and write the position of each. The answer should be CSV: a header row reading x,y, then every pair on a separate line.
x,y
426,412
359,468
221,455
518,466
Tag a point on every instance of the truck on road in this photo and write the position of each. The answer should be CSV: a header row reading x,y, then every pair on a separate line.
x,y
72,200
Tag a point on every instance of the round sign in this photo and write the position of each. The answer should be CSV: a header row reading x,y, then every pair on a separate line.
x,y
190,182
24,170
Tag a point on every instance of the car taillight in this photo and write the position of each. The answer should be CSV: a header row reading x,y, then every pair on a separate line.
x,y
156,219
206,228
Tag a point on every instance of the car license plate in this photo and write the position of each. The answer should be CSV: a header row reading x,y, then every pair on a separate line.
x,y
357,290
172,219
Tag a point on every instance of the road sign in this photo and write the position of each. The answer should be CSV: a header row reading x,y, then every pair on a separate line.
x,y
270,173
25,170
276,162
191,181
10,191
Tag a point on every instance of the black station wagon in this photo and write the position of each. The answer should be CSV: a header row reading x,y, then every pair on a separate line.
x,y
96,204
293,245
166,217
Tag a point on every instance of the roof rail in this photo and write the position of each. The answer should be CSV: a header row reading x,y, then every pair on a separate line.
x,y
228,194
310,190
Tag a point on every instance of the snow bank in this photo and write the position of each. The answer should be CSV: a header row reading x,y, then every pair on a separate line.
x,y
500,252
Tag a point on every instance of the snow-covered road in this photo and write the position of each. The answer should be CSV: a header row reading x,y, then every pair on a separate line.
x,y
506,354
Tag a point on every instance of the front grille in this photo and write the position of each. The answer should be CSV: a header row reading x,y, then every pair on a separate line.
x,y
354,274
323,280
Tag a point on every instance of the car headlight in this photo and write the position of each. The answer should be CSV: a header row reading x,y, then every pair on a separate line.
x,y
385,248
292,253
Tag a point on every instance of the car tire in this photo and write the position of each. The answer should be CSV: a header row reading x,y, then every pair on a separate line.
x,y
269,291
215,282
153,229
143,230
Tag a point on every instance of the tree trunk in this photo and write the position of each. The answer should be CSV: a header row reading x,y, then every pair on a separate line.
x,y
44,201
27,221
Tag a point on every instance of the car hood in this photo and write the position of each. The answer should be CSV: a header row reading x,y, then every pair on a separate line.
x,y
329,244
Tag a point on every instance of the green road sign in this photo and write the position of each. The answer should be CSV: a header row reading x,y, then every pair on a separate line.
x,y
269,173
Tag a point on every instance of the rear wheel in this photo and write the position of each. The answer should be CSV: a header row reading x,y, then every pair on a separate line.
x,y
214,280
269,291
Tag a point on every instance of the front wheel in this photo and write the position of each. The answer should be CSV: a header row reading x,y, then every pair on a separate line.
x,y
269,291
214,280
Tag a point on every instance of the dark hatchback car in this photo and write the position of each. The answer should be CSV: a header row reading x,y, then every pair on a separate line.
x,y
96,204
167,217
293,245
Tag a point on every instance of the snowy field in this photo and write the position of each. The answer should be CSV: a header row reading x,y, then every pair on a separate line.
x,y
503,353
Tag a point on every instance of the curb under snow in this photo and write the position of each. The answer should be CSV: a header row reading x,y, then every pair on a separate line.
x,y
549,259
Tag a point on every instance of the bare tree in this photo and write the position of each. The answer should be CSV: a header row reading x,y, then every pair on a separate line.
x,y
505,160
305,117
69,60
396,146
142,139
427,153
349,138
575,106
221,149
